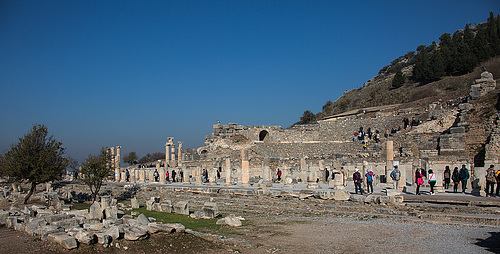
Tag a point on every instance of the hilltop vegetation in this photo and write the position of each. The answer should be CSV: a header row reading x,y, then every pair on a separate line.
x,y
443,70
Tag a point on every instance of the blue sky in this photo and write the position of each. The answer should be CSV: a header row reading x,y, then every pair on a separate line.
x,y
132,73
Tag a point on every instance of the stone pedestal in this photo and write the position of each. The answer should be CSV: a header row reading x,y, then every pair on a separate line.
x,y
212,176
185,178
123,177
338,181
161,172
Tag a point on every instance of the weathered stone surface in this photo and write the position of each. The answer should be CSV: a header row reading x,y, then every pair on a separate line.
x,y
95,211
209,210
44,231
57,217
341,195
182,207
85,237
114,232
63,239
34,226
372,199
392,192
230,220
357,198
68,223
142,219
134,233
162,228
134,203
178,227
111,212
149,205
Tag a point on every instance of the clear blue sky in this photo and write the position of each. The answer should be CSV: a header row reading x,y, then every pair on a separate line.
x,y
132,73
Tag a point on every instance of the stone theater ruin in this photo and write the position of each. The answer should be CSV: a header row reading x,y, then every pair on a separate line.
x,y
436,137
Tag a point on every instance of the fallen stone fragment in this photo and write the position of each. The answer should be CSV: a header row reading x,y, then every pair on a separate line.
x,y
181,207
230,220
63,239
142,219
134,233
85,237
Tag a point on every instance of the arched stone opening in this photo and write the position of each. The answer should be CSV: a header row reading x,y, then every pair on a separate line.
x,y
263,135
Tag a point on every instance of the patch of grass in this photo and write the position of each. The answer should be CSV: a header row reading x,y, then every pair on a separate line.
x,y
80,206
202,225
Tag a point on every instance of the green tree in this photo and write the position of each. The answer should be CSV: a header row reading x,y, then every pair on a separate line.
x,y
130,158
399,79
95,169
307,117
37,158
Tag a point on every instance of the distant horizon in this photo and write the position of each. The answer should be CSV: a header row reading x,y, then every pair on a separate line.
x,y
101,74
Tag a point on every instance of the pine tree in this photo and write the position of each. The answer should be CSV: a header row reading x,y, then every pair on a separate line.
x,y
399,79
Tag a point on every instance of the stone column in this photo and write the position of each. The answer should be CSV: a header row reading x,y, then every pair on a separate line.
x,y
185,179
179,153
173,152
304,174
228,172
389,160
245,169
266,171
168,150
198,176
118,156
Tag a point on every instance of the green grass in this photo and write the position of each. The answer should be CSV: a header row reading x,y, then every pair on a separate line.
x,y
80,206
202,225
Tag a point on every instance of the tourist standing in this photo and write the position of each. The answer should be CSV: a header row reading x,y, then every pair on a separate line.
x,y
181,174
419,180
396,176
463,176
127,174
498,183
447,175
432,180
454,178
156,175
174,174
279,175
167,177
327,174
491,179
369,181
356,177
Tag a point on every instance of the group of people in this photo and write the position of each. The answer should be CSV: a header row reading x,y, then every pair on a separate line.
x,y
156,176
458,176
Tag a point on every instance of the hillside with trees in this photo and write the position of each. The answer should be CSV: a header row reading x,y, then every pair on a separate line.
x,y
443,70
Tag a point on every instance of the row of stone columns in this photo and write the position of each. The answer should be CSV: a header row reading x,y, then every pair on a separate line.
x,y
170,152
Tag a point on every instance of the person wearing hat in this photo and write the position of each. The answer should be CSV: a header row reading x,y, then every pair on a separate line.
x,y
356,177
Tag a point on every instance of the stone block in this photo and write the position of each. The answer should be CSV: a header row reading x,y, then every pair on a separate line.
x,y
392,192
181,207
162,228
85,237
341,195
134,203
63,239
209,210
111,212
372,199
457,130
68,223
149,205
178,227
230,220
142,219
134,233
357,198
166,206
95,211
46,230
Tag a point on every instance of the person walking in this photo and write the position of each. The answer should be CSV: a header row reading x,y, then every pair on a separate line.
x,y
463,176
498,183
419,180
447,176
432,180
396,176
454,178
327,174
356,177
491,179
369,181
279,175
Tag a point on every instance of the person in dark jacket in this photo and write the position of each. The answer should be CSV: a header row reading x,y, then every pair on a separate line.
x,y
463,176
356,177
